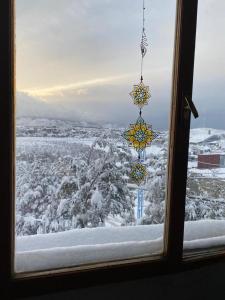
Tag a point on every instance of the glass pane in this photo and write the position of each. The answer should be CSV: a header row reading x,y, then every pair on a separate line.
x,y
77,62
205,200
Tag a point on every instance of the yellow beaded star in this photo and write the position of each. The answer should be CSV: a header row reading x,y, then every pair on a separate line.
x,y
140,94
138,172
140,135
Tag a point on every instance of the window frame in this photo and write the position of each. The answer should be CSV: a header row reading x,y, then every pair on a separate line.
x,y
172,260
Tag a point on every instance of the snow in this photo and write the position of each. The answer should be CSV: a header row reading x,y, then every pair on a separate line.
x,y
192,164
97,199
92,245
113,221
152,150
198,135
203,229
119,165
88,245
209,173
90,236
204,234
77,255
43,141
46,122
61,206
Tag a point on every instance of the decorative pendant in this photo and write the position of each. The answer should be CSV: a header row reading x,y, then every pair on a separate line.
x,y
140,135
140,94
138,173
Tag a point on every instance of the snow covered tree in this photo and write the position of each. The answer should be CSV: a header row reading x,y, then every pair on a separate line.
x,y
155,194
205,198
66,192
104,180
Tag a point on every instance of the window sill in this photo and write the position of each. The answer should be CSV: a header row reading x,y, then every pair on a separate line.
x,y
97,245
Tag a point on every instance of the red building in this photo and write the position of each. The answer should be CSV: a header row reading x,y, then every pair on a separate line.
x,y
211,161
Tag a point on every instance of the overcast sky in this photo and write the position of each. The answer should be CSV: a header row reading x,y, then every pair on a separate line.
x,y
78,60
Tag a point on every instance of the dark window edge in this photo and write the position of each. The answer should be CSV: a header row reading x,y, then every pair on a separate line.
x,y
26,287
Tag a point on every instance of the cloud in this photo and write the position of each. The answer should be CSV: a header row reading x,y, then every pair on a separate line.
x,y
108,103
78,86
83,57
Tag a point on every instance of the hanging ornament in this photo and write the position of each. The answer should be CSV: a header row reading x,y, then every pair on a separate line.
x,y
138,173
140,135
140,94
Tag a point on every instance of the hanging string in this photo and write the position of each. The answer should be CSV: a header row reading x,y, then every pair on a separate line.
x,y
144,42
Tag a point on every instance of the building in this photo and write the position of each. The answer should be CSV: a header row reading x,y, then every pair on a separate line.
x,y
211,161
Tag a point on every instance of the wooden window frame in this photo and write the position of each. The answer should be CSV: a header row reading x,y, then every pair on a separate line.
x,y
172,259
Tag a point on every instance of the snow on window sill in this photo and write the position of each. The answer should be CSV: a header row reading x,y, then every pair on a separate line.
x,y
77,247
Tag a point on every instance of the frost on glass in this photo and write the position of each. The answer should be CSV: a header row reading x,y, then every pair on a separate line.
x,y
75,202
205,199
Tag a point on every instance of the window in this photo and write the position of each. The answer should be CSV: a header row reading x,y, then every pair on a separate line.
x,y
75,201
172,258
205,197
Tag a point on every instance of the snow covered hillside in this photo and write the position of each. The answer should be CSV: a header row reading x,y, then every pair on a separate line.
x,y
76,175
206,135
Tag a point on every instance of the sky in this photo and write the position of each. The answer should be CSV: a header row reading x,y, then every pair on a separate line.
x,y
79,60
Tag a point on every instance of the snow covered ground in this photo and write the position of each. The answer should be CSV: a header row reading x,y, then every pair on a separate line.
x,y
198,135
92,245
43,141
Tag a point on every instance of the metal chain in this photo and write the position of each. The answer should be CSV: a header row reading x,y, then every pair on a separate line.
x,y
144,42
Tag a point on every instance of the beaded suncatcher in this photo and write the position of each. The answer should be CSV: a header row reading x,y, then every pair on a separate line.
x,y
140,134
